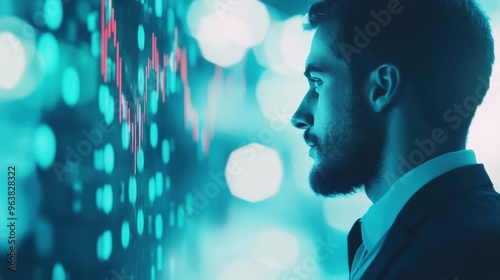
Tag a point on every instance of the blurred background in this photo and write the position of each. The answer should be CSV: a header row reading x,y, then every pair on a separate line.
x,y
152,140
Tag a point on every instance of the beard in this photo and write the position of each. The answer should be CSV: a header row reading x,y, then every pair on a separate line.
x,y
349,155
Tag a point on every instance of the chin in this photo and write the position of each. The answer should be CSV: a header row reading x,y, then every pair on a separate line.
x,y
331,182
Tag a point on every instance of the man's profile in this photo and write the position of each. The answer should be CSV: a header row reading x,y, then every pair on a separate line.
x,y
394,85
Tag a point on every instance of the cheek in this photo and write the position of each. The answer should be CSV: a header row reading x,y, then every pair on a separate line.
x,y
328,114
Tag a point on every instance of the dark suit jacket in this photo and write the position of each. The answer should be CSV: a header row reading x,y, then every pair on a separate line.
x,y
450,229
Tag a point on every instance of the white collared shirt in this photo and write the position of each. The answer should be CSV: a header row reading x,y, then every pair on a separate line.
x,y
381,215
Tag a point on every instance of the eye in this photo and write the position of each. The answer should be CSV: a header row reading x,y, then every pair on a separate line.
x,y
317,82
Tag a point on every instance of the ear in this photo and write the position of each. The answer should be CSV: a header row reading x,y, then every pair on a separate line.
x,y
383,87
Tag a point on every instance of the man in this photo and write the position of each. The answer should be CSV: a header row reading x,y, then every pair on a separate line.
x,y
394,85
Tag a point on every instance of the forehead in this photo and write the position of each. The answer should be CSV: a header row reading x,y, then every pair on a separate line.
x,y
321,54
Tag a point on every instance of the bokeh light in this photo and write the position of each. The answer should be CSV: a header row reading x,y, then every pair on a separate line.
x,y
13,58
247,161
44,146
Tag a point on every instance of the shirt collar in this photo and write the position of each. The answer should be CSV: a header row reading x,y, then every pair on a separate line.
x,y
381,215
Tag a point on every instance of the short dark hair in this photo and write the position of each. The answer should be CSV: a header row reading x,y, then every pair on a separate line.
x,y
443,47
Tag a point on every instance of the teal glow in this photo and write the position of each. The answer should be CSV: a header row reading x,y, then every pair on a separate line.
x,y
49,49
132,190
44,146
58,272
140,222
167,182
159,257
104,246
172,83
152,190
98,159
158,8
154,101
140,80
109,113
165,151
92,19
140,160
103,98
125,136
150,224
159,184
98,198
153,135
109,158
125,234
70,86
153,273
53,13
107,198
171,20
140,37
95,44
158,226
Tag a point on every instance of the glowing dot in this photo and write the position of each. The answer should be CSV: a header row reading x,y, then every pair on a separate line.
x,y
109,158
140,80
165,151
159,184
140,37
140,222
159,257
152,189
49,48
125,136
171,20
104,246
109,113
140,160
167,182
53,13
58,272
158,226
158,8
125,234
107,198
95,44
154,102
154,135
240,173
103,98
13,58
44,146
98,198
132,190
70,86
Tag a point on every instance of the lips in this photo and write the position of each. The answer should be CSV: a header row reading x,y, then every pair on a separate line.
x,y
313,152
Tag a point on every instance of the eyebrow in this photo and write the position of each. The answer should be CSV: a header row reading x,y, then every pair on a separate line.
x,y
312,68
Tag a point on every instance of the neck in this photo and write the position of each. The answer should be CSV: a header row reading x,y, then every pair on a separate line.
x,y
409,145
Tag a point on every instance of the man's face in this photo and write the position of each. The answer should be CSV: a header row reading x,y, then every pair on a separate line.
x,y
344,134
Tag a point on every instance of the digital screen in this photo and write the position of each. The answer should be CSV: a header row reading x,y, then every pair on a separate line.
x,y
151,139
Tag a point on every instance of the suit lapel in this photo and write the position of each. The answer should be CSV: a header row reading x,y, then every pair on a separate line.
x,y
430,198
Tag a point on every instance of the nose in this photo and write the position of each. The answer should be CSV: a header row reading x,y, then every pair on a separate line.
x,y
303,119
